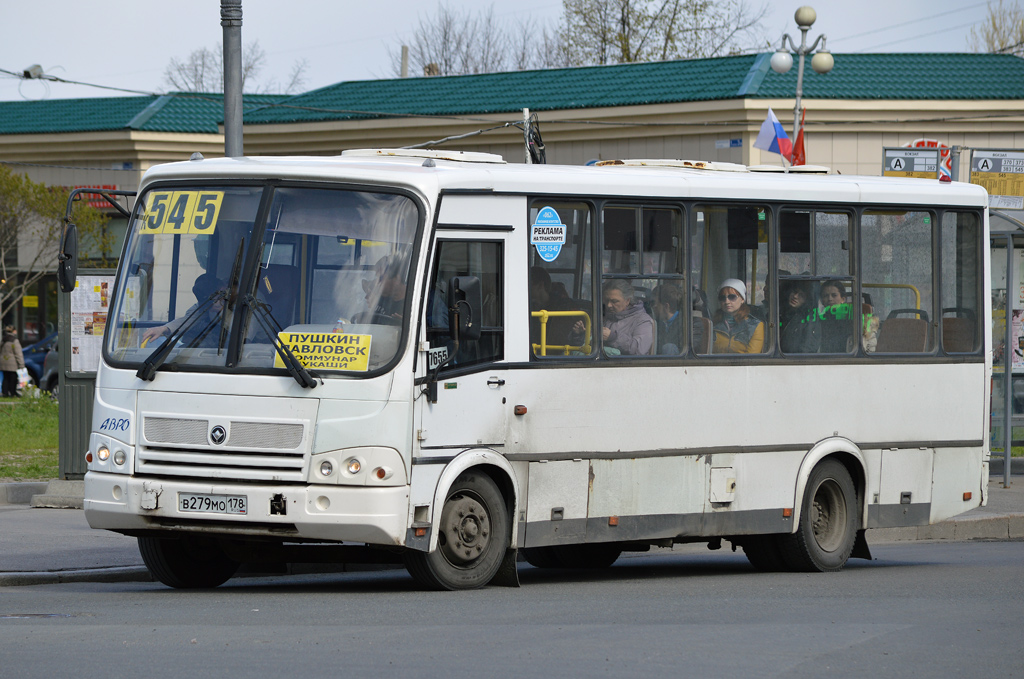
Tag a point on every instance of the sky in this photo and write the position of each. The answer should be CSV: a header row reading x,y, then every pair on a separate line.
x,y
130,42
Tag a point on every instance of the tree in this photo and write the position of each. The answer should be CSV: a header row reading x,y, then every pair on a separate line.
x,y
203,71
31,223
1001,32
590,32
624,31
461,43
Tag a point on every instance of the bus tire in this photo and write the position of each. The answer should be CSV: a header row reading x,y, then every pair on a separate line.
x,y
763,553
828,522
471,540
188,562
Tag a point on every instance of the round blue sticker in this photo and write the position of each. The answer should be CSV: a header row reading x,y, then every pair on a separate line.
x,y
547,234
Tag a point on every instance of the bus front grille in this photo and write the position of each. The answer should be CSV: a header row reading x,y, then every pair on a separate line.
x,y
225,464
240,434
234,449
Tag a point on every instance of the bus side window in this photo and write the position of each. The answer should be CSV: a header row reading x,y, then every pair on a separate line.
x,y
897,272
961,249
642,271
482,259
734,271
561,285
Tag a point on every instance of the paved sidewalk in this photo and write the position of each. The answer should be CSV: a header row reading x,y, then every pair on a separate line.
x,y
47,546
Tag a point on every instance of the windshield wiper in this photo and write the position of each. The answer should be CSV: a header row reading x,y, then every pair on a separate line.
x,y
157,358
302,375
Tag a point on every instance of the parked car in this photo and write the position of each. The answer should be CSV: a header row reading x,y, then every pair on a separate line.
x,y
35,355
49,381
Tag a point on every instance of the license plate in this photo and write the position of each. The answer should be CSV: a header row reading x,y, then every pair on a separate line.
x,y
212,504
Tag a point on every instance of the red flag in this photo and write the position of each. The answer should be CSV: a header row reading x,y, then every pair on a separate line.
x,y
799,156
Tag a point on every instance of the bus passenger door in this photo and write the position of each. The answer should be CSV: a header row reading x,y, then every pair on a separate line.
x,y
470,382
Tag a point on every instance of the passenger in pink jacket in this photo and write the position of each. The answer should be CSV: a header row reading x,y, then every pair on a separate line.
x,y
626,329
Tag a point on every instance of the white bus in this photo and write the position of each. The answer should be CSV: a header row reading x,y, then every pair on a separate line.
x,y
439,358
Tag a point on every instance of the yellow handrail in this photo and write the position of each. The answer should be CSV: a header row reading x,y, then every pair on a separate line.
x,y
903,286
543,347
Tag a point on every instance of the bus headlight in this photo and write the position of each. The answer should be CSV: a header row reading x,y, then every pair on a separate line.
x,y
358,466
103,453
120,457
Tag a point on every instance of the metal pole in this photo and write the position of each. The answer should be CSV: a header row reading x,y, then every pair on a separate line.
x,y
800,80
1008,364
231,21
526,135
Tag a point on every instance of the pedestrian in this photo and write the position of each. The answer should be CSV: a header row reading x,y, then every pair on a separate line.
x,y
11,360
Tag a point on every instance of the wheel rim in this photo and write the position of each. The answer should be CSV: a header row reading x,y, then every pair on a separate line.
x,y
466,530
828,516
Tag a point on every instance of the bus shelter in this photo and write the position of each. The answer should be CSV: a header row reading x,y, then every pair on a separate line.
x,y
1007,243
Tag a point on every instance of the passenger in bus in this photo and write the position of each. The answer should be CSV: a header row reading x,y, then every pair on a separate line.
x,y
736,330
626,328
836,329
668,299
546,295
206,287
798,333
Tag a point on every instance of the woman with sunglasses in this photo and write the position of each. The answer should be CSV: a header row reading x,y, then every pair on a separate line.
x,y
736,330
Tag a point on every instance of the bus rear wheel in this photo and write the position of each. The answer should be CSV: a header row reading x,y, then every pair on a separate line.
x,y
187,562
825,537
471,540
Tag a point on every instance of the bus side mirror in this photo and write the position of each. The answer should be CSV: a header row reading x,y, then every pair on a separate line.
x,y
465,304
67,258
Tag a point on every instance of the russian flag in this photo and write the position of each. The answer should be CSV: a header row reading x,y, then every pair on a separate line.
x,y
773,138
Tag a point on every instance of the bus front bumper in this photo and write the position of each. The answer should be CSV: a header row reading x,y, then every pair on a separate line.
x,y
372,515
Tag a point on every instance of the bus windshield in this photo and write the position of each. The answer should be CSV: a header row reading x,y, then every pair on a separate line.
x,y
219,282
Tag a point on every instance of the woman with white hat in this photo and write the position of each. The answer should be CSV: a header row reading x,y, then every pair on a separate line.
x,y
736,330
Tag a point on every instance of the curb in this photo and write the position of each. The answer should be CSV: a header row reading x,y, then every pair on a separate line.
x,y
20,493
999,527
61,494
113,574
110,574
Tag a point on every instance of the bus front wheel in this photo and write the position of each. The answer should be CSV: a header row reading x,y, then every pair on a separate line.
x,y
472,537
187,562
828,522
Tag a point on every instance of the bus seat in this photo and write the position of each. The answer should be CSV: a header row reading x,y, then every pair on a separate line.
x,y
644,295
278,287
958,334
903,335
708,339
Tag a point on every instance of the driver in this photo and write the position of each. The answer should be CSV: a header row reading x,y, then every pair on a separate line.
x,y
205,287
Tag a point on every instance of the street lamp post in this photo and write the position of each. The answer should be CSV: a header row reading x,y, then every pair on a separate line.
x,y
782,60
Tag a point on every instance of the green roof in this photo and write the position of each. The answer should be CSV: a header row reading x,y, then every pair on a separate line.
x,y
855,76
925,76
175,112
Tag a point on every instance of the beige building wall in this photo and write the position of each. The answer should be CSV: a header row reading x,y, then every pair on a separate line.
x,y
847,136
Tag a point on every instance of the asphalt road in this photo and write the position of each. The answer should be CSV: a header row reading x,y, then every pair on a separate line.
x,y
921,609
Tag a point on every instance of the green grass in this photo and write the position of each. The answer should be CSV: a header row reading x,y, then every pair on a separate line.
x,y
28,439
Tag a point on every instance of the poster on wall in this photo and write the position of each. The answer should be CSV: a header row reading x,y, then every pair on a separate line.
x,y
1001,172
90,301
1017,339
